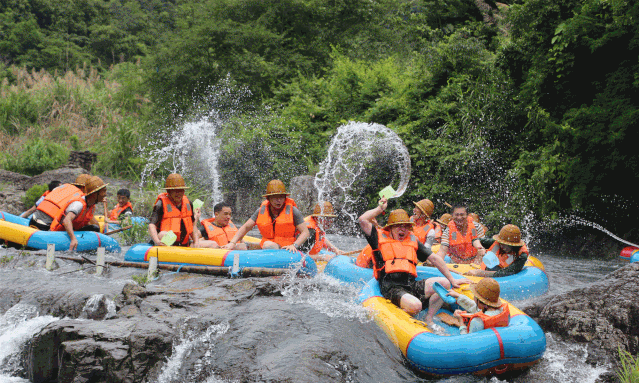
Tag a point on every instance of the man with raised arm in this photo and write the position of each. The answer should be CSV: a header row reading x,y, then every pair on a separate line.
x,y
278,220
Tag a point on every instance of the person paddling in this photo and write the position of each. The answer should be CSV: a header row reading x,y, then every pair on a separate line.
x,y
219,230
396,252
321,220
278,220
173,211
485,311
507,255
460,238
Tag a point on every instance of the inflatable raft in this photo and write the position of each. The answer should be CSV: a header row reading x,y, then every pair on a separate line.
x,y
531,282
630,254
277,259
488,352
16,230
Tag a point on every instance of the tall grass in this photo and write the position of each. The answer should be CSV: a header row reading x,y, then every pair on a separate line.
x,y
628,367
82,109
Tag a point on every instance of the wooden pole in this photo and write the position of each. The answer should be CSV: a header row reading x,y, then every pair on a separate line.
x,y
99,268
119,230
50,256
153,268
354,252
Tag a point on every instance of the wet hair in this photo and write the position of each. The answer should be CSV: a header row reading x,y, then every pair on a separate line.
x,y
458,206
124,192
218,207
54,184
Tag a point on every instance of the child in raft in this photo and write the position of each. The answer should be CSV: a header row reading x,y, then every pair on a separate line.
x,y
486,311
52,185
123,208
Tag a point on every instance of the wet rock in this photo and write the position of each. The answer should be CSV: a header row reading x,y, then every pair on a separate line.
x,y
98,307
605,315
90,351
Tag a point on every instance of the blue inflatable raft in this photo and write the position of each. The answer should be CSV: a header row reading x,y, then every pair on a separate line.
x,y
276,259
488,352
15,229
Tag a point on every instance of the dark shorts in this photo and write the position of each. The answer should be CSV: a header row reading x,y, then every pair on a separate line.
x,y
394,291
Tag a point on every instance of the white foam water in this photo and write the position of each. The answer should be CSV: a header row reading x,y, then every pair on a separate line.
x,y
361,155
19,324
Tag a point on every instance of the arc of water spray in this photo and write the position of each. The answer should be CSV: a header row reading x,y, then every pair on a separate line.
x,y
601,228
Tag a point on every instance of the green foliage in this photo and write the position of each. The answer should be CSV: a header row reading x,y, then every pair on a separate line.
x,y
119,155
138,233
32,195
629,367
36,157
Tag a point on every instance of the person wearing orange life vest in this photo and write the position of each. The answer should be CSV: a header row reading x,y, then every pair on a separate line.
x,y
173,211
486,311
219,230
66,206
278,220
317,223
124,206
426,230
460,238
507,255
52,185
86,221
396,252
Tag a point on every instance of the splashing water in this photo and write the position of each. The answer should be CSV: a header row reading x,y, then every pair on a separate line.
x,y
574,220
193,149
362,159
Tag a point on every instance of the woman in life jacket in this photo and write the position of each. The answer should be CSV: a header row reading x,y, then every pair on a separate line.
x,y
460,239
486,311
173,211
317,223
507,255
280,222
219,230
426,230
396,252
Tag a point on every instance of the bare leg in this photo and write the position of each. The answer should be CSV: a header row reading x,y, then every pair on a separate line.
x,y
271,245
411,304
434,302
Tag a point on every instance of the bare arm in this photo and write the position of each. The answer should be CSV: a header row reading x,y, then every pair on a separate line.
x,y
28,212
480,251
366,218
441,266
153,232
67,222
332,247
241,232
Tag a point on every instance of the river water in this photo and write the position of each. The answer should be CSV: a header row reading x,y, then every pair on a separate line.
x,y
341,344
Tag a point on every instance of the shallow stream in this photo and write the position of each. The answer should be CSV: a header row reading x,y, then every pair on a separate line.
x,y
338,342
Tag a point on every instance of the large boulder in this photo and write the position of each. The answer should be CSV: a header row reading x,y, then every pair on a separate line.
x,y
604,315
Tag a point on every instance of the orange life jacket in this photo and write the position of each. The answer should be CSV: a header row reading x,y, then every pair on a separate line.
x,y
460,248
83,218
365,258
56,202
502,256
399,256
320,235
221,235
173,217
499,320
421,232
282,230
117,210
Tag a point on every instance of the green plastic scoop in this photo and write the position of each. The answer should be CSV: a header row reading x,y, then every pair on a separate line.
x,y
388,192
197,204
169,238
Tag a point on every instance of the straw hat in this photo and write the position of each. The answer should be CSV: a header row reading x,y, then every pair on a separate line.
x,y
509,235
474,216
326,211
426,206
94,184
444,219
175,181
81,180
275,187
398,217
487,291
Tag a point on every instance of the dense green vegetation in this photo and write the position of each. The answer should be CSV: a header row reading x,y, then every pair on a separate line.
x,y
526,106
